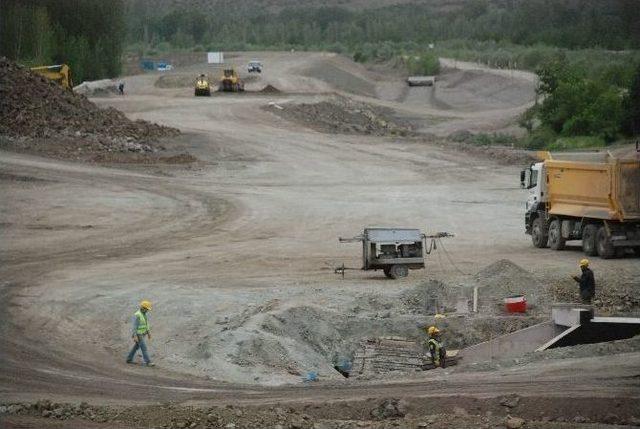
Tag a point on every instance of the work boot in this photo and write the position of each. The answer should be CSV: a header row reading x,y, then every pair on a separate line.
x,y
130,362
150,364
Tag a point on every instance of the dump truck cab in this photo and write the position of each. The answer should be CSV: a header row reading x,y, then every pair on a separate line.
x,y
532,179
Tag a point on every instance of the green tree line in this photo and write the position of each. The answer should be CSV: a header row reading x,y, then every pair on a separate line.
x,y
611,24
86,34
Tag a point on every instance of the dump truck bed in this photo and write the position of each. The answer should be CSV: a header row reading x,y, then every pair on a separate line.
x,y
609,189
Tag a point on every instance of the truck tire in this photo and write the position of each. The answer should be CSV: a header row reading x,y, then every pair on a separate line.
x,y
387,271
556,241
603,243
398,271
589,245
539,234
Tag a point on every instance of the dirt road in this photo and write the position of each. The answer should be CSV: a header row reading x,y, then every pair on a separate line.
x,y
237,252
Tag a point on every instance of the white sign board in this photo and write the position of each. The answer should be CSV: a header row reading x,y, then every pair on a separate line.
x,y
215,57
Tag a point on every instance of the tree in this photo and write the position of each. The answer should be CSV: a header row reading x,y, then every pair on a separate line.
x,y
631,106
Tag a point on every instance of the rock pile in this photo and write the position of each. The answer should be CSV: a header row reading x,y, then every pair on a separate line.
x,y
38,114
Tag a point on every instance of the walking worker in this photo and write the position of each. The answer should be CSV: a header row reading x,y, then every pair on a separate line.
x,y
587,282
121,87
436,348
141,328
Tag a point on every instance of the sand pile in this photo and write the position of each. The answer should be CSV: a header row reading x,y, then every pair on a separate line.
x,y
38,114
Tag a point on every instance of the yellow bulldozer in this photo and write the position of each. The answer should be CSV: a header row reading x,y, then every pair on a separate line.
x,y
60,73
230,81
202,86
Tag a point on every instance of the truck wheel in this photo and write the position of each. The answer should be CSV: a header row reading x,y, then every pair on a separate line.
x,y
589,234
398,271
556,241
605,248
539,233
387,271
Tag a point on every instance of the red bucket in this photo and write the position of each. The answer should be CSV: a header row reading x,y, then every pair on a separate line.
x,y
515,304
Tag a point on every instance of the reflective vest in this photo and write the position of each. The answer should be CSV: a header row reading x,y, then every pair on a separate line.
x,y
434,348
143,325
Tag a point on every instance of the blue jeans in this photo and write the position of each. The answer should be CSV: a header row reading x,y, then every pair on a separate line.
x,y
143,348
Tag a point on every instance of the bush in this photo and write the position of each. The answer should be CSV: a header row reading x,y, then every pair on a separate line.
x,y
359,57
540,138
573,143
497,139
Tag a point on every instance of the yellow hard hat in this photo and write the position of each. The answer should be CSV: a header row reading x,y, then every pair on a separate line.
x,y
432,330
146,305
584,262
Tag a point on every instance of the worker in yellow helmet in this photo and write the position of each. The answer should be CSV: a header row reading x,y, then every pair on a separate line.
x,y
586,281
436,348
141,328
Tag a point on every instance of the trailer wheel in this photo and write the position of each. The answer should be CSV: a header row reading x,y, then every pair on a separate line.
x,y
539,233
398,271
556,241
605,248
589,235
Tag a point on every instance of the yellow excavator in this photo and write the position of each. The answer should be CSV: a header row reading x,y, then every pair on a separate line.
x,y
230,81
202,87
60,73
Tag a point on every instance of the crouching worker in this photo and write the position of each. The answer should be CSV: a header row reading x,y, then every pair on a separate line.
x,y
141,328
436,348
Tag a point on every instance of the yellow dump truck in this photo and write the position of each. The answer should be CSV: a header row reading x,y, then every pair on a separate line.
x,y
593,197
230,81
202,86
60,73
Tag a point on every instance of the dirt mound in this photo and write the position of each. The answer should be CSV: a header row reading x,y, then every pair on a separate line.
x,y
502,279
270,89
38,114
341,115
177,80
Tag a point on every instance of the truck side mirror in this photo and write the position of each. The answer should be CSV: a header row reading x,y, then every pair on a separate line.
x,y
522,177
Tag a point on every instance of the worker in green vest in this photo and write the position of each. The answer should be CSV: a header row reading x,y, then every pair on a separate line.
x,y
436,348
141,328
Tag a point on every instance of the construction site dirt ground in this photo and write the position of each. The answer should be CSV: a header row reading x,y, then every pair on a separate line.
x,y
237,250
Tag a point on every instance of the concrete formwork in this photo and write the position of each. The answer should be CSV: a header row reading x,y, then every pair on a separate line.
x,y
514,344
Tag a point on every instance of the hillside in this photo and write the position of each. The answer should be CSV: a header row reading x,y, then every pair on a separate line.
x,y
275,6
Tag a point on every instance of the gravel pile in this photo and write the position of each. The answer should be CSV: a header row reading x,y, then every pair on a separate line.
x,y
341,115
505,278
38,114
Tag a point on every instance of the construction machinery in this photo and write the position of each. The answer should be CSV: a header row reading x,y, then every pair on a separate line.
x,y
202,86
393,250
60,73
593,197
230,81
